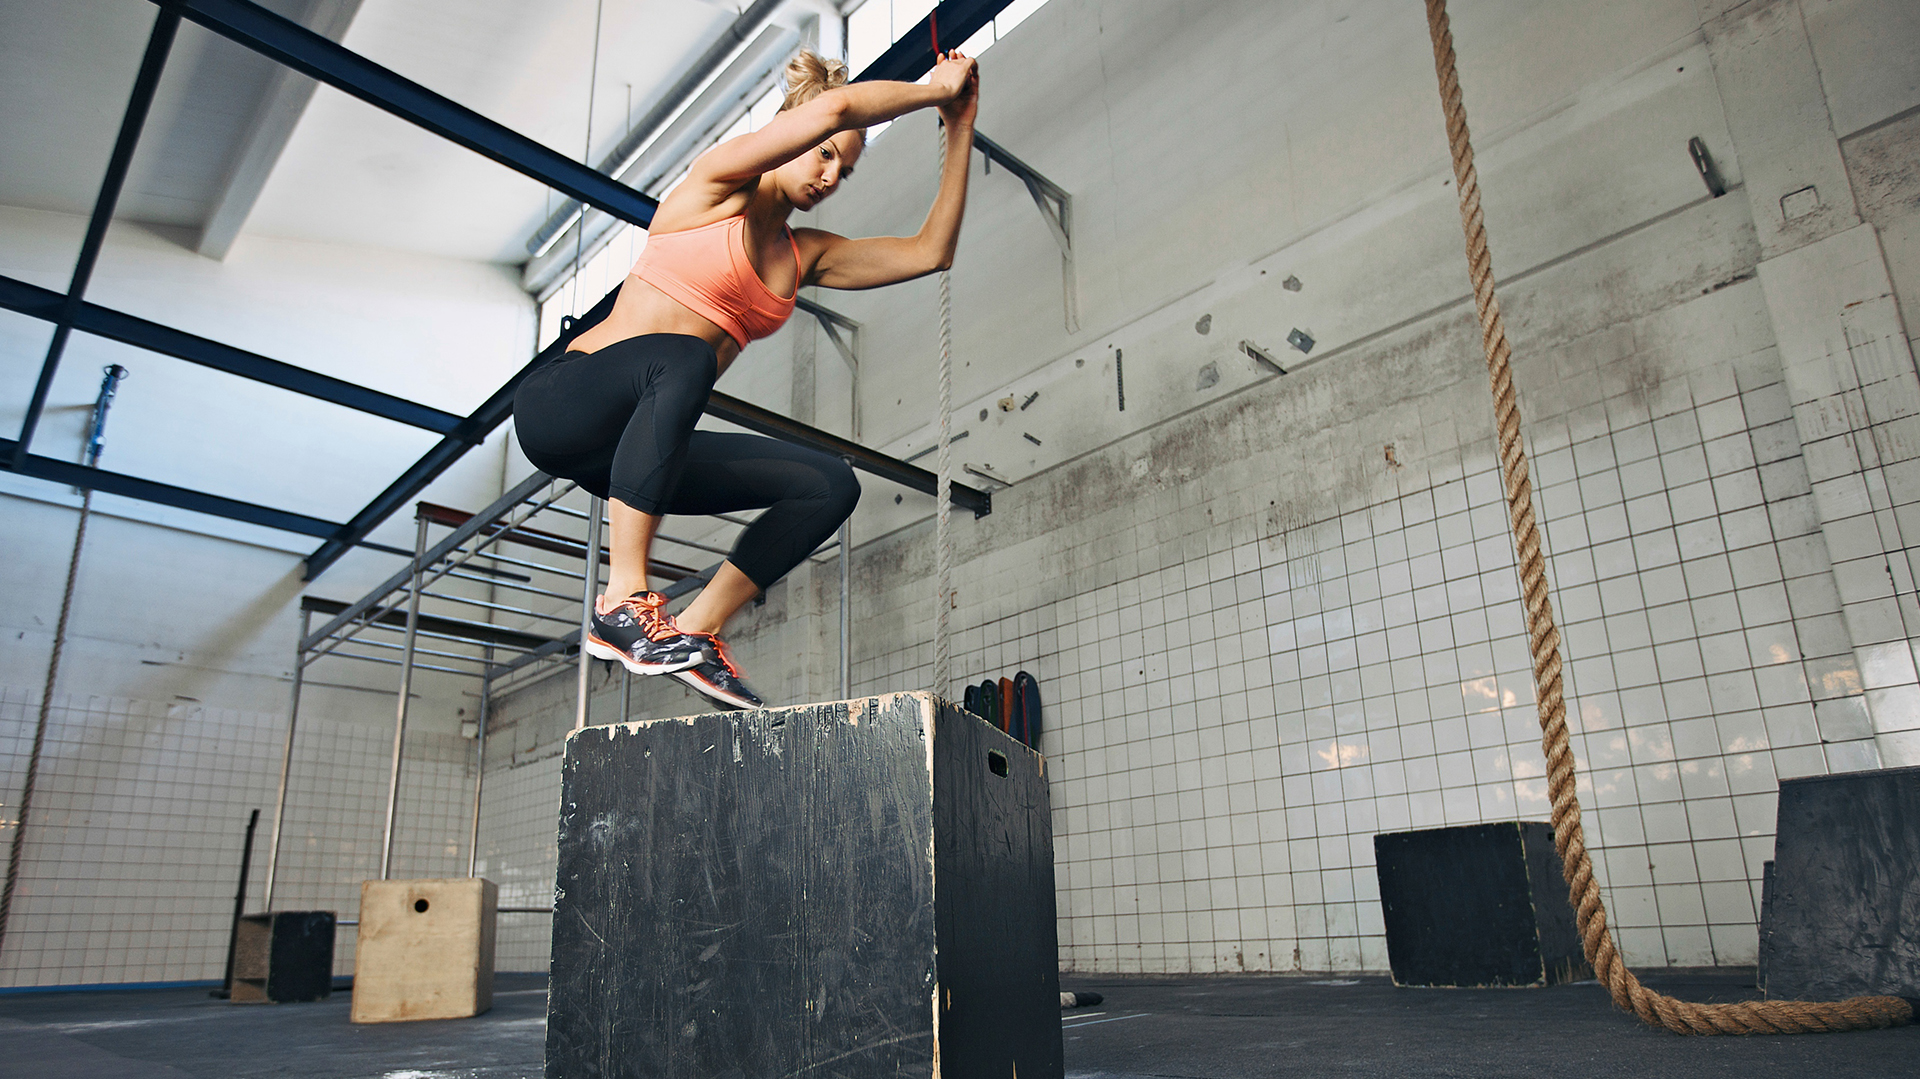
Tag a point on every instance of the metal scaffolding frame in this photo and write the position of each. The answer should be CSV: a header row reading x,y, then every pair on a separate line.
x,y
500,657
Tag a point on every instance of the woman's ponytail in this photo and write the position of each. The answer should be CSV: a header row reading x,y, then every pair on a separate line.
x,y
809,75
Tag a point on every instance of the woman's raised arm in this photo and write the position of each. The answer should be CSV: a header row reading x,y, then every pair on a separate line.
x,y
799,129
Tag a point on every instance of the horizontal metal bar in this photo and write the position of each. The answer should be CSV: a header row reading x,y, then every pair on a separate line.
x,y
390,646
523,563
140,333
563,597
396,663
115,483
450,598
767,422
321,58
401,577
524,910
393,616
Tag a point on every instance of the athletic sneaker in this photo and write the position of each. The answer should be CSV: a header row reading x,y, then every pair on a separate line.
x,y
718,679
641,635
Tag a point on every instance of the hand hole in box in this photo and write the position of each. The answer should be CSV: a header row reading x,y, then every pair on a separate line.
x,y
997,762
420,905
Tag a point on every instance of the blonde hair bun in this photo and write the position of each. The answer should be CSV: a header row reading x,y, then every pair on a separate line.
x,y
809,75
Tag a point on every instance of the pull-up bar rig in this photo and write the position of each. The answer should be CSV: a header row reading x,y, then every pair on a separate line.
x,y
456,638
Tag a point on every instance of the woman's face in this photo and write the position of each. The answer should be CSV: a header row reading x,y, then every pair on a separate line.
x,y
811,177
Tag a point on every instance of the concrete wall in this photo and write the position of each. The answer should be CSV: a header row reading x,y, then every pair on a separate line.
x,y
1274,616
170,714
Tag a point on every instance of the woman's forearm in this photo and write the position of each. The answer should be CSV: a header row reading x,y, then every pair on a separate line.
x,y
940,235
863,104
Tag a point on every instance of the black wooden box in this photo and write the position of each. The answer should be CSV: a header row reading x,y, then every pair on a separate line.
x,y
1842,913
854,889
283,957
1481,905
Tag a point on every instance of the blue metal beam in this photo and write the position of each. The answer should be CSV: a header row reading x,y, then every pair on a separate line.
x,y
911,56
159,43
320,58
116,483
140,333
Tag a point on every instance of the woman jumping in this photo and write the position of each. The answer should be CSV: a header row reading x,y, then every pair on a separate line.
x,y
616,413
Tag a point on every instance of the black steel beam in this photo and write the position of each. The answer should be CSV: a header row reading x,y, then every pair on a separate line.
x,y
471,432
912,53
477,632
152,336
767,422
115,483
318,57
159,42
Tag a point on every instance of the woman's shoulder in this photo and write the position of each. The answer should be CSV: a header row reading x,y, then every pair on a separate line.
x,y
683,210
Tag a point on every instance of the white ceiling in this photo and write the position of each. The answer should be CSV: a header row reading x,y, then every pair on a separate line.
x,y
349,173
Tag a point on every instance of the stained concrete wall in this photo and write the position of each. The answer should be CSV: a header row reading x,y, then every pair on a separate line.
x,y
1275,615
168,722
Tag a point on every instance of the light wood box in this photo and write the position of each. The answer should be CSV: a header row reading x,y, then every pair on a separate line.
x,y
425,949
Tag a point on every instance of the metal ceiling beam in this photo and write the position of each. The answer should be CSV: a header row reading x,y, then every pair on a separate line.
x,y
116,483
437,460
767,422
159,43
267,134
132,330
911,55
343,69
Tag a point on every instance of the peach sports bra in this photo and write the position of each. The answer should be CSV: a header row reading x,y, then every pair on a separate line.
x,y
706,270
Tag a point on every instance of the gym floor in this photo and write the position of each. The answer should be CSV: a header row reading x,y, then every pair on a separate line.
x,y
1167,1028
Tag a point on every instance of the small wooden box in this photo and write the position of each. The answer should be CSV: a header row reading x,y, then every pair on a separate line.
x,y
425,949
1479,905
860,889
283,957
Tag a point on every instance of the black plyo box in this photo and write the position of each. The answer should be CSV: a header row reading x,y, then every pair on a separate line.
x,y
283,957
857,889
1842,913
1480,905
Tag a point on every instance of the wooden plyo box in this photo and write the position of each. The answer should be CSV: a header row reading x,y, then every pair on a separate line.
x,y
1477,905
283,957
860,889
1841,916
425,949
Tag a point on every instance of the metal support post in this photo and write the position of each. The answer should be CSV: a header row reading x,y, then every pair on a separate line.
x,y
1056,209
286,761
406,694
480,762
587,596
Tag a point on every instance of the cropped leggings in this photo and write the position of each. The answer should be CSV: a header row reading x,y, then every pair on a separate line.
x,y
619,422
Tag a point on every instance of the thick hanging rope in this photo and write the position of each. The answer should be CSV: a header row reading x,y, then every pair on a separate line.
x,y
943,489
943,496
16,847
1758,1017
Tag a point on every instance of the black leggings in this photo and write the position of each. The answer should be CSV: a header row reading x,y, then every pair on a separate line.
x,y
619,422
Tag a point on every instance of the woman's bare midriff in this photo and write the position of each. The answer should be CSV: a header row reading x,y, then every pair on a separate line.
x,y
643,309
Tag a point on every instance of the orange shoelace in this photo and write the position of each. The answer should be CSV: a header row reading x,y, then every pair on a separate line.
x,y
646,608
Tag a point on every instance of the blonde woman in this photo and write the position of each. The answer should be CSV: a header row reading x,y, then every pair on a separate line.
x,y
721,268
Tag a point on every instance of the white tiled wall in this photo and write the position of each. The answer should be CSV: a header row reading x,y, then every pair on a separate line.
x,y
133,843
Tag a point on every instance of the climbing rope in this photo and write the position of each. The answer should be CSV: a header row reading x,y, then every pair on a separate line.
x,y
16,847
943,497
1756,1017
943,489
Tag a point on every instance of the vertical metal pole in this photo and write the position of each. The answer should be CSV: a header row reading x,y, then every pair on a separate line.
x,y
286,758
406,693
626,692
480,761
846,608
589,590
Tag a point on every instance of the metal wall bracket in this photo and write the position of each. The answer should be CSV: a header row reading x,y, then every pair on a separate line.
x,y
1056,209
845,335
